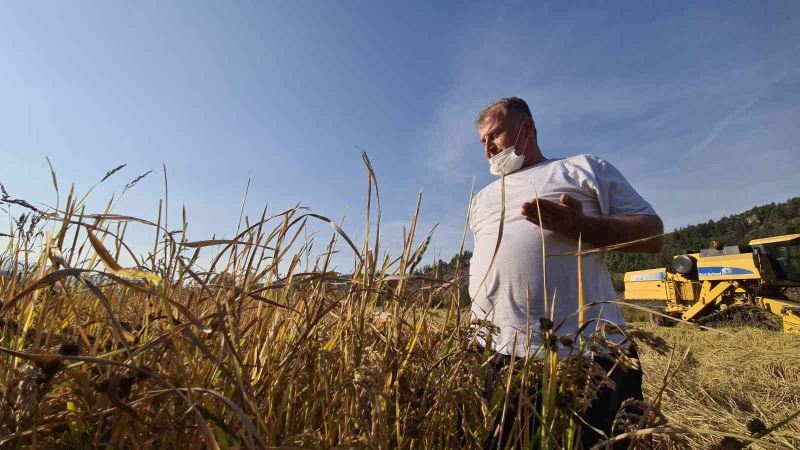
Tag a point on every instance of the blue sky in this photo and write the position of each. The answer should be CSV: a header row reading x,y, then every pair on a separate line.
x,y
698,105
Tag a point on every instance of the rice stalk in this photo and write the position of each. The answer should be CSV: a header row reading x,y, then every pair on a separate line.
x,y
265,346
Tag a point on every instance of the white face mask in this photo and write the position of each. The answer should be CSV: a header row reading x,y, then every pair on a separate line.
x,y
508,161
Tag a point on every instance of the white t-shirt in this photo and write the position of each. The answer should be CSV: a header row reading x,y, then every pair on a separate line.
x,y
510,292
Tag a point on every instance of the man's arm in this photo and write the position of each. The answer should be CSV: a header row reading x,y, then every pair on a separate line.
x,y
567,217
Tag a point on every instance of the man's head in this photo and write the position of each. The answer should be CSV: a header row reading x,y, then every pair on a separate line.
x,y
507,122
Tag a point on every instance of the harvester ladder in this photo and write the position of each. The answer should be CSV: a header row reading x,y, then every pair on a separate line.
x,y
671,287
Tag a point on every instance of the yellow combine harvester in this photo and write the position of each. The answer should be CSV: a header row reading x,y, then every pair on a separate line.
x,y
699,284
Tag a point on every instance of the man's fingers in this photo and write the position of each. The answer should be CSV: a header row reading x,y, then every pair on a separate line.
x,y
546,220
530,210
547,225
557,216
571,202
544,205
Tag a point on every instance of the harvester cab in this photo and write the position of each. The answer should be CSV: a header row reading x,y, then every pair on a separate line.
x,y
782,255
714,279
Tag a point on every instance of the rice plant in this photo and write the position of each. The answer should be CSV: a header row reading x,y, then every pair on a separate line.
x,y
263,345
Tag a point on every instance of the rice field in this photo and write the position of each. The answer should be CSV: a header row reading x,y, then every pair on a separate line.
x,y
254,342
739,382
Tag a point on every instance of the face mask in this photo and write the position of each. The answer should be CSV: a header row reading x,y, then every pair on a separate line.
x,y
508,161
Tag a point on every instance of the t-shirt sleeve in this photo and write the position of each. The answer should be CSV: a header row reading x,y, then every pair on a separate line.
x,y
614,194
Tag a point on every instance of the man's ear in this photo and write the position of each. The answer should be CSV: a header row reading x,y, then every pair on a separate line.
x,y
530,127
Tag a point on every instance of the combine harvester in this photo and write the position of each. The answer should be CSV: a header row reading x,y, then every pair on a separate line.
x,y
702,285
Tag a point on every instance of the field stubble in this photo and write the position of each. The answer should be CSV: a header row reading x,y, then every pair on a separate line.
x,y
736,382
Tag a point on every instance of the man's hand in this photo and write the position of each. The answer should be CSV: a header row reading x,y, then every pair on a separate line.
x,y
565,217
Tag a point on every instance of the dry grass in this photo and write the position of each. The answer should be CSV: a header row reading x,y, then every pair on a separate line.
x,y
265,347
730,382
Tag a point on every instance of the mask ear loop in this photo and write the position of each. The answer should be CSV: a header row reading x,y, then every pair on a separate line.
x,y
524,149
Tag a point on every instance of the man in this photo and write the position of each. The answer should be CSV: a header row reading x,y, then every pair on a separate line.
x,y
578,196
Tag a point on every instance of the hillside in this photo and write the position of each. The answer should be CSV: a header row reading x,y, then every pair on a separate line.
x,y
738,229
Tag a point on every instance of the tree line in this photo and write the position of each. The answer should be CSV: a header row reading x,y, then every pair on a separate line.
x,y
773,219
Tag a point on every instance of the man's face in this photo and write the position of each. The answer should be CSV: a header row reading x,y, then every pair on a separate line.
x,y
497,134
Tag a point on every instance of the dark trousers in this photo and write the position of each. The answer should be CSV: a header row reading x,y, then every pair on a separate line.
x,y
601,412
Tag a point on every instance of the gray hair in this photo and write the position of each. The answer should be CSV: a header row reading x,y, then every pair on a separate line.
x,y
513,108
